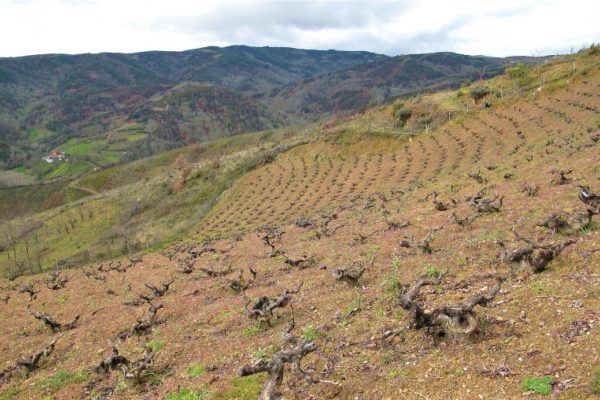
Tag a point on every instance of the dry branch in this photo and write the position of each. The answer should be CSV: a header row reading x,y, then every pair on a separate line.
x,y
424,245
536,255
31,363
454,322
30,290
352,273
590,199
263,307
51,322
111,362
463,221
561,177
137,370
300,263
241,284
275,367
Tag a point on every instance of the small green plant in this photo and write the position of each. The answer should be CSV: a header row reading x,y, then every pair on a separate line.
x,y
391,283
10,393
253,330
541,385
61,299
262,353
354,306
310,333
195,371
433,272
246,388
55,382
189,394
404,373
541,287
156,345
595,382
590,227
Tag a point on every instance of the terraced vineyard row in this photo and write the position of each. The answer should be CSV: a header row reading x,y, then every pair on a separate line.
x,y
318,176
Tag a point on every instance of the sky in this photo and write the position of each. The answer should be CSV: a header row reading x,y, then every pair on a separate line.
x,y
476,27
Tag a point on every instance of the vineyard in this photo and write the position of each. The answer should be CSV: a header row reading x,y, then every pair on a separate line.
x,y
462,262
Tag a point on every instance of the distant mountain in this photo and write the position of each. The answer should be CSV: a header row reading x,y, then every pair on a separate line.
x,y
373,83
108,108
85,97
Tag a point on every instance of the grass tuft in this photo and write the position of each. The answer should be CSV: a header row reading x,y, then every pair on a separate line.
x,y
541,385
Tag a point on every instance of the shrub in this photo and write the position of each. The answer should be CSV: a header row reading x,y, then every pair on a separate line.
x,y
402,115
541,385
479,92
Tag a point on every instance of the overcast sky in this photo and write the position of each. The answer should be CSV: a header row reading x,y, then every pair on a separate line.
x,y
487,27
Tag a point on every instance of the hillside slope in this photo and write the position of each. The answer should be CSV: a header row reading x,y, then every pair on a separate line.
x,y
367,85
56,101
450,205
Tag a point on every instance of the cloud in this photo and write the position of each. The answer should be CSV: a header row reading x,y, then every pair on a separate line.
x,y
502,28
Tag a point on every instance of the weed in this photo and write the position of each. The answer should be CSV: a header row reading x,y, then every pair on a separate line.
x,y
541,287
310,333
121,386
595,382
391,283
246,388
195,371
404,373
541,385
590,227
253,330
61,299
10,393
262,353
59,380
156,345
354,306
189,394
433,272
489,235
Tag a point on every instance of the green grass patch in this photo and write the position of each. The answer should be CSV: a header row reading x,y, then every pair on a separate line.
x,y
189,394
391,283
246,388
10,393
541,385
37,134
134,137
61,299
310,333
433,272
253,330
595,382
54,383
195,371
156,345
